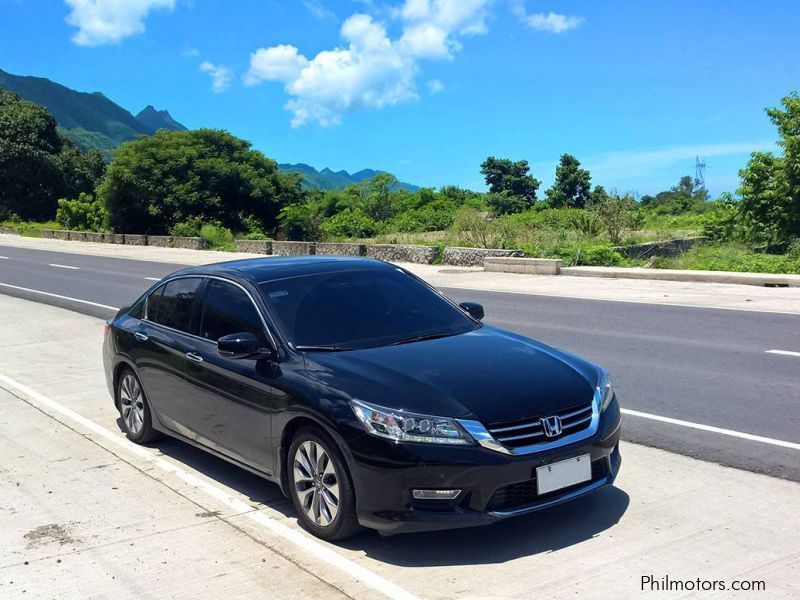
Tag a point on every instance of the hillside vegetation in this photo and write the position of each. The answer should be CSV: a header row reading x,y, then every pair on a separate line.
x,y
213,184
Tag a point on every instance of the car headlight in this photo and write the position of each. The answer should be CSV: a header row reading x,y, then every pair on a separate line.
x,y
402,426
604,391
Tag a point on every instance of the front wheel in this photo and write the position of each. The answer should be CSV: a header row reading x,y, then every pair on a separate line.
x,y
320,486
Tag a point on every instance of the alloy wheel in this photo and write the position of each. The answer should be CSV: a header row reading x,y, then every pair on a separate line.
x,y
131,403
316,483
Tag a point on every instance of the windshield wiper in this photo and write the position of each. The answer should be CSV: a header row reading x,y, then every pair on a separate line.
x,y
422,338
321,348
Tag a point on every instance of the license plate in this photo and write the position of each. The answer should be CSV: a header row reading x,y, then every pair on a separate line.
x,y
562,474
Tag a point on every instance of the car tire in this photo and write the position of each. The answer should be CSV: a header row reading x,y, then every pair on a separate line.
x,y
317,475
134,409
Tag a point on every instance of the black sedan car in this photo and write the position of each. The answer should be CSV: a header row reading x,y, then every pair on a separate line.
x,y
370,398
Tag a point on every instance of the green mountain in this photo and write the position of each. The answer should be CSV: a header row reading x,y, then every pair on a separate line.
x,y
90,120
326,179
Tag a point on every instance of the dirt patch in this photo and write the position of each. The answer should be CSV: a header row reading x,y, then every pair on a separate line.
x,y
49,534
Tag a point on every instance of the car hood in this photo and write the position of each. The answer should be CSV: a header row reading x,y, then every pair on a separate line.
x,y
487,374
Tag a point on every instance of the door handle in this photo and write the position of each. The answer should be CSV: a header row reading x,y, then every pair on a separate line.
x,y
140,336
194,357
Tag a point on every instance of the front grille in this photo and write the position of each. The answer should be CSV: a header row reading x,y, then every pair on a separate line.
x,y
524,493
524,432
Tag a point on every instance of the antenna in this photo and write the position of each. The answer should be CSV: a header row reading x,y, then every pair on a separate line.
x,y
699,173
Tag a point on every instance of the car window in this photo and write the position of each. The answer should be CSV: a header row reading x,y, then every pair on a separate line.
x,y
226,310
173,304
360,308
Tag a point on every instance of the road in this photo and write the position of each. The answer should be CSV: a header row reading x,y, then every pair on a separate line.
x,y
703,366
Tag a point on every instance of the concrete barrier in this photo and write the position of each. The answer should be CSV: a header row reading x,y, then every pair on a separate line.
x,y
339,249
666,248
162,241
47,233
95,236
134,239
759,279
77,236
474,257
189,243
425,255
293,248
535,266
254,246
60,234
115,238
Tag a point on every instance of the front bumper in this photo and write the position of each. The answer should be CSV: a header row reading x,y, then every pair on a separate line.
x,y
494,485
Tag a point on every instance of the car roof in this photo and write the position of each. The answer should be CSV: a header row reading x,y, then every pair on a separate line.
x,y
269,268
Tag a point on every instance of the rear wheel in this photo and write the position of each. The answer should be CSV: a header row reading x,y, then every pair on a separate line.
x,y
320,486
134,409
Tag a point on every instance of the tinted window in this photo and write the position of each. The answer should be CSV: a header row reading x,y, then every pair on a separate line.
x,y
173,304
360,308
226,310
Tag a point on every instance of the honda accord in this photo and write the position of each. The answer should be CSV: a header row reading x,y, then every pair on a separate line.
x,y
367,395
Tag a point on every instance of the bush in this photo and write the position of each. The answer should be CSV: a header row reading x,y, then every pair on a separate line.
x,y
218,237
479,229
83,214
730,258
578,253
189,228
351,223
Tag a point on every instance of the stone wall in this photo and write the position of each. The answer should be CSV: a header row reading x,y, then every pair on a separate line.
x,y
337,249
94,236
254,246
162,241
47,233
132,239
403,253
77,236
115,238
667,248
189,243
293,248
473,257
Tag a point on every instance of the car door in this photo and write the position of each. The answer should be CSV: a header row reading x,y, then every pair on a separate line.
x,y
234,399
164,338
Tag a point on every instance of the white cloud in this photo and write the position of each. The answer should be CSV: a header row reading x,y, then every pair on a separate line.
x,y
435,86
220,76
110,21
552,22
370,70
317,9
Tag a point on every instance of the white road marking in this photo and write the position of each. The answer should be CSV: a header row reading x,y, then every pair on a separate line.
x,y
730,432
299,539
4,258
51,295
783,352
153,278
63,266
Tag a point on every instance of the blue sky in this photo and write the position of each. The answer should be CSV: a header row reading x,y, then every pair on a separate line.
x,y
426,89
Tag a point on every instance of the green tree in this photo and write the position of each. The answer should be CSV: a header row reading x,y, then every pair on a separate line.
x,y
301,222
37,166
511,178
83,214
770,185
572,186
173,176
351,223
618,213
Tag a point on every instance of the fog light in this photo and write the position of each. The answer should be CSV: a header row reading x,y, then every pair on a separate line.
x,y
435,494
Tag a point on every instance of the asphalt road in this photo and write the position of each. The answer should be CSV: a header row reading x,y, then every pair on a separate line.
x,y
704,366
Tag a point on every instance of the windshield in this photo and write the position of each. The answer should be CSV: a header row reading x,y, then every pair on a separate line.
x,y
362,308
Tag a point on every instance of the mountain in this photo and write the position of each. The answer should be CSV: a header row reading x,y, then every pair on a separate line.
x,y
326,179
90,120
158,119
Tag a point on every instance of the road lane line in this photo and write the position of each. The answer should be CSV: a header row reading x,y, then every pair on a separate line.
x,y
4,258
730,432
63,266
783,352
153,278
59,296
301,540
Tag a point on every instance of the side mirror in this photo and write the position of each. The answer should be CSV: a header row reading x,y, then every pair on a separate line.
x,y
473,309
238,345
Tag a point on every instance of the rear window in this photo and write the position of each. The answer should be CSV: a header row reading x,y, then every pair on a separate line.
x,y
173,304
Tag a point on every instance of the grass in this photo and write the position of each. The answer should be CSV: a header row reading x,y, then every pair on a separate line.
x,y
729,258
30,228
